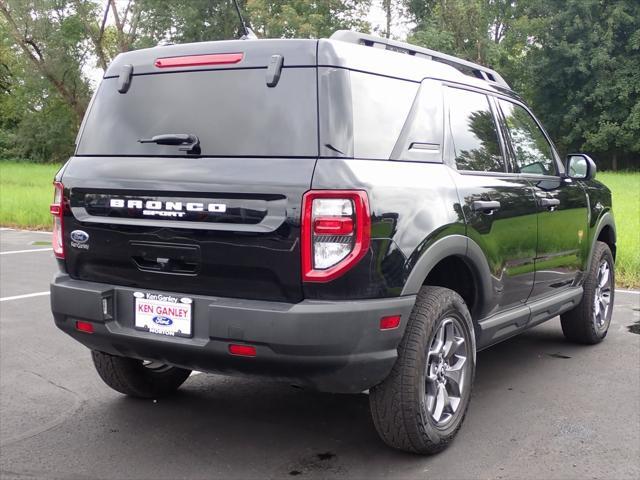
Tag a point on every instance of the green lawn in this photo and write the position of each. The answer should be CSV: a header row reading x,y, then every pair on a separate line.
x,y
26,192
625,188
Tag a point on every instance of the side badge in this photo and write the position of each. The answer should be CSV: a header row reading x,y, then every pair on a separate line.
x,y
79,239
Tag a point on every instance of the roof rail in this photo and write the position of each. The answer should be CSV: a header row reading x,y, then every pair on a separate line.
x,y
464,66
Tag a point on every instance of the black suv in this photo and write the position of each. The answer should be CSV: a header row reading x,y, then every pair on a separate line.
x,y
344,214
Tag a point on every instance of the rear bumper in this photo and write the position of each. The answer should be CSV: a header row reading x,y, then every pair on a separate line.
x,y
334,346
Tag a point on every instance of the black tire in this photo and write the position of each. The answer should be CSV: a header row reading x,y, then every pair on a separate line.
x,y
137,379
583,324
399,405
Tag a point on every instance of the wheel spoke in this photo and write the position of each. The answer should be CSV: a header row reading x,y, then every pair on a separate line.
x,y
438,342
455,376
452,347
441,403
603,275
431,376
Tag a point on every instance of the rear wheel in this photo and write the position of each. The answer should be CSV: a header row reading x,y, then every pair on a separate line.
x,y
138,378
589,321
421,404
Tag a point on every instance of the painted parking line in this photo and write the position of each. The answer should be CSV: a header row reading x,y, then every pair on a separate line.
x,y
28,295
11,252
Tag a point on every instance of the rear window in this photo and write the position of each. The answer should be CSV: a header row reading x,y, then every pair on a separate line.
x,y
232,112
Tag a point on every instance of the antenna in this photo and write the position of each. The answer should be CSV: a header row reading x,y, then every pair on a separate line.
x,y
248,33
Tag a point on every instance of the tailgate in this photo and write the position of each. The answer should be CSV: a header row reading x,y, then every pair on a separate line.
x,y
213,226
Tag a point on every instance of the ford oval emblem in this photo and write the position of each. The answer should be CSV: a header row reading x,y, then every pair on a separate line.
x,y
79,236
160,320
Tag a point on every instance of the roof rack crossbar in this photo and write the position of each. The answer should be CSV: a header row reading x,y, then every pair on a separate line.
x,y
466,67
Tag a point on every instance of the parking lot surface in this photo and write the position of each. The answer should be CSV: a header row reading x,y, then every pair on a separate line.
x,y
541,408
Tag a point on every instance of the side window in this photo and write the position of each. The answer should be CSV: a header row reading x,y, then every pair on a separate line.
x,y
531,149
474,132
380,108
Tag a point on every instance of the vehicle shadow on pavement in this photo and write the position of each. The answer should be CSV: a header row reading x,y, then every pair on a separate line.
x,y
260,426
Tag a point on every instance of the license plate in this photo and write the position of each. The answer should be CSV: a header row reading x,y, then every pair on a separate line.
x,y
163,314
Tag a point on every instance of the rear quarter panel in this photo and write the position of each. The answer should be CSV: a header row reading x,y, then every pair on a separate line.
x,y
413,205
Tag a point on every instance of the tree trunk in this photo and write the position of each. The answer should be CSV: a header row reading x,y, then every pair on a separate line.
x,y
386,4
614,162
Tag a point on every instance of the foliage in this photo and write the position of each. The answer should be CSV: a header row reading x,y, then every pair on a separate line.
x,y
306,19
587,72
577,62
38,119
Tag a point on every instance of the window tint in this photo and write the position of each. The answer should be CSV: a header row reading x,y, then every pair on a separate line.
x,y
380,108
531,149
474,132
232,112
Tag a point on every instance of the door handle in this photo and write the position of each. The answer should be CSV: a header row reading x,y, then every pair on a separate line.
x,y
485,206
549,203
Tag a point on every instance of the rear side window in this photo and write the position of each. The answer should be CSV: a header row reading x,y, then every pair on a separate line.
x,y
531,149
380,108
232,112
474,132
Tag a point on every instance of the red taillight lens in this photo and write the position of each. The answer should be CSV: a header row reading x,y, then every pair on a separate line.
x,y
85,327
242,350
57,210
199,60
389,323
336,232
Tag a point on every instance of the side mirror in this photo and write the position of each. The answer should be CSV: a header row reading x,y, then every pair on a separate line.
x,y
580,167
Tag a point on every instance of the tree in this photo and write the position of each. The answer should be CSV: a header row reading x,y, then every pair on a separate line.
x,y
50,36
584,71
35,122
576,62
305,18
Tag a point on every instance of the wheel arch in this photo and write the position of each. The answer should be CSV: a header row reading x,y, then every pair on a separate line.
x,y
605,231
455,262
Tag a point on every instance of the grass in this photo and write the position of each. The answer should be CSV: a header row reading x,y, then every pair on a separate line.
x,y
625,187
26,192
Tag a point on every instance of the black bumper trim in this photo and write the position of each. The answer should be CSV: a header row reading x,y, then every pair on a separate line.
x,y
332,346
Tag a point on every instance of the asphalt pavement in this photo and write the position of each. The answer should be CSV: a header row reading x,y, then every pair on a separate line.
x,y
541,408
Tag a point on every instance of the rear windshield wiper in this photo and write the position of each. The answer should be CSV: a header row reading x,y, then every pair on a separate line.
x,y
191,142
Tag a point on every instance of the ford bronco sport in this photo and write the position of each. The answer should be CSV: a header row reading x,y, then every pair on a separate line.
x,y
344,214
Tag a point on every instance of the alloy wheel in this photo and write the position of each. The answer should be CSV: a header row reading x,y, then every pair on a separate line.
x,y
602,297
446,371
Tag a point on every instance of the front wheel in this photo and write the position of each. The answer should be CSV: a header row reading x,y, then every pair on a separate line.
x,y
420,406
138,378
589,321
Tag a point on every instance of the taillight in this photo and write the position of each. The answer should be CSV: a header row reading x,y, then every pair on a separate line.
x,y
336,231
57,210
198,60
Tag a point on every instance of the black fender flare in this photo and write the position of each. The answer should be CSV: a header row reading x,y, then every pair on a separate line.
x,y
460,246
605,220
